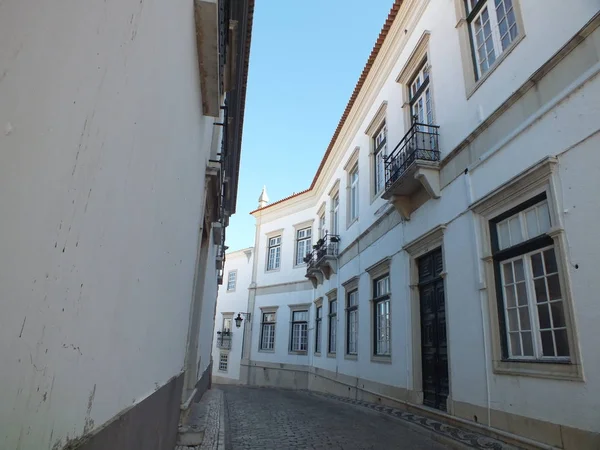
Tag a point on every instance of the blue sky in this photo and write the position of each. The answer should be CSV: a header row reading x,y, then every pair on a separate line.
x,y
304,64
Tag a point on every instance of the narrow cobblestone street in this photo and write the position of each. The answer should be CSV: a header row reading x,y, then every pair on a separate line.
x,y
279,419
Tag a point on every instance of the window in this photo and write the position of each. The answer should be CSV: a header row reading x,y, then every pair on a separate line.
x,y
353,199
493,27
381,304
352,323
331,347
321,225
421,108
303,244
267,331
529,288
318,321
226,324
223,360
299,338
335,214
274,253
231,279
380,152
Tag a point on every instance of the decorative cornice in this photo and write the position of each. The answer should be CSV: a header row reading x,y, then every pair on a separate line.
x,y
432,237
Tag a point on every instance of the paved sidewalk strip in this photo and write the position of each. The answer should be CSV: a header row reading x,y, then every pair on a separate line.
x,y
211,420
468,438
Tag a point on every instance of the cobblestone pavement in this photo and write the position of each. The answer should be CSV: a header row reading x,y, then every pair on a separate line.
x,y
268,419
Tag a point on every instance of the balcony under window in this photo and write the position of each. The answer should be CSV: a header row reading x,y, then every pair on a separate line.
x,y
412,169
224,339
322,261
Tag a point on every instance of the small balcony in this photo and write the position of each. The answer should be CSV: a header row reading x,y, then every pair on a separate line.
x,y
412,169
224,339
322,261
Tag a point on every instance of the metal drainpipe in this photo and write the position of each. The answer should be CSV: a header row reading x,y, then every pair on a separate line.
x,y
251,299
482,296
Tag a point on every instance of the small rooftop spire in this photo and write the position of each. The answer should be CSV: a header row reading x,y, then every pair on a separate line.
x,y
263,200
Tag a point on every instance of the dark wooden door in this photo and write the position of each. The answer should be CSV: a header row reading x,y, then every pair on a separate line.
x,y
434,345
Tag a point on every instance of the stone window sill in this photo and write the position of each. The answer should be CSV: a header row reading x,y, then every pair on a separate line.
x,y
381,359
262,350
351,357
331,355
301,353
551,370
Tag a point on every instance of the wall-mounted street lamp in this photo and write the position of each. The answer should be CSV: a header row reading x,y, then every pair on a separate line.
x,y
239,319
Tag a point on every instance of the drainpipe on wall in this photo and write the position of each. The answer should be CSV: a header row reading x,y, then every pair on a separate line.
x,y
482,292
247,339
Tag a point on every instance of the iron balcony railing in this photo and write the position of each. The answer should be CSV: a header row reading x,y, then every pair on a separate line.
x,y
420,143
326,246
224,339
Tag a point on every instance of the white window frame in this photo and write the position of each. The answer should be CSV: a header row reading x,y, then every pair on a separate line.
x,y
274,248
231,277
299,319
383,320
421,96
303,245
352,322
318,327
268,329
380,152
335,214
353,197
227,322
332,327
477,11
522,327
223,361
322,230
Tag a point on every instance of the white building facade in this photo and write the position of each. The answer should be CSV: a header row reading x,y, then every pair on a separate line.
x,y
120,142
231,304
441,257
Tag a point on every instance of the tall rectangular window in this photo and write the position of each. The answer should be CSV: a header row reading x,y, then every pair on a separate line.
x,y
231,279
223,362
303,244
353,200
227,324
421,107
381,304
318,324
322,225
335,214
493,27
352,323
267,331
299,336
274,253
380,152
530,293
331,346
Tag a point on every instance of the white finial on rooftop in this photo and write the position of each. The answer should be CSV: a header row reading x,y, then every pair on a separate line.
x,y
263,200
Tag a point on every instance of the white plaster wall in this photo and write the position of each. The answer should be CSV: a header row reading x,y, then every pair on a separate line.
x,y
569,130
102,147
281,353
571,403
207,315
234,301
288,271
